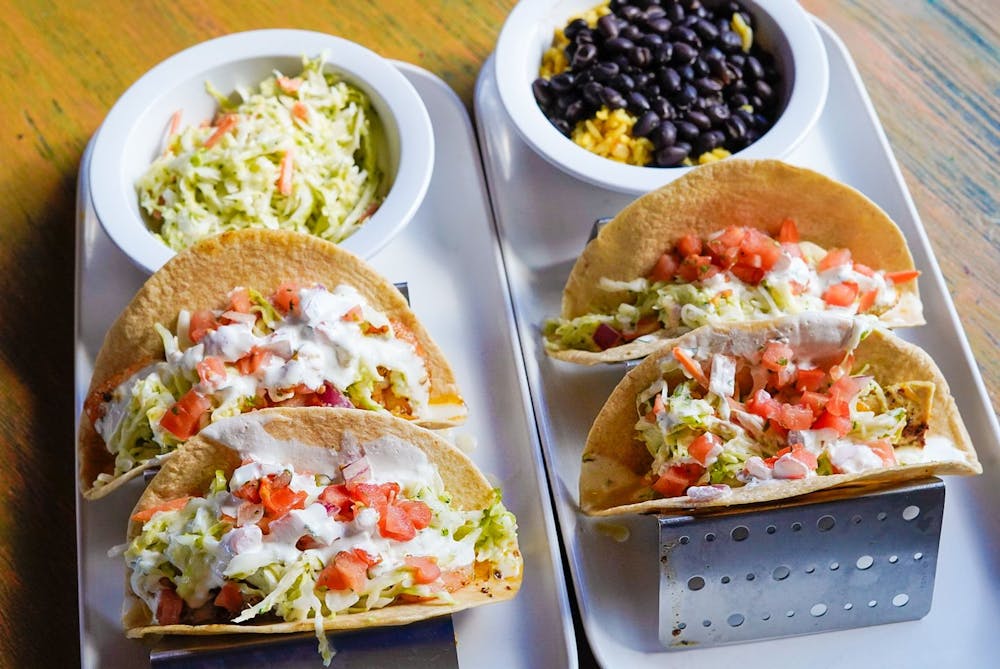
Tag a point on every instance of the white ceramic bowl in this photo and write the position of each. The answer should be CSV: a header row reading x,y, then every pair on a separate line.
x,y
131,135
782,28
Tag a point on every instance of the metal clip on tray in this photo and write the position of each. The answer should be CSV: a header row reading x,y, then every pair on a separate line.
x,y
799,568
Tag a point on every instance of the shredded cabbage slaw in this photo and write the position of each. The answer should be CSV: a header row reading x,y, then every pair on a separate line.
x,y
297,154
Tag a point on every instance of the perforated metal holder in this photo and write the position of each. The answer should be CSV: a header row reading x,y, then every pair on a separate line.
x,y
802,568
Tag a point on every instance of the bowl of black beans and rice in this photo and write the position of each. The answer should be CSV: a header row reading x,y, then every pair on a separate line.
x,y
631,94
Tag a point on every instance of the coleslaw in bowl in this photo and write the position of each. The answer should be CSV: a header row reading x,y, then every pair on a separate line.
x,y
274,128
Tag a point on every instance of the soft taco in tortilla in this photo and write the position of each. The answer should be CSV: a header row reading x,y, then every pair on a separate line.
x,y
287,520
768,410
247,320
732,241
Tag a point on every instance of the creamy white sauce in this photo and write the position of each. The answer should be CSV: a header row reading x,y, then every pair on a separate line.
x,y
848,457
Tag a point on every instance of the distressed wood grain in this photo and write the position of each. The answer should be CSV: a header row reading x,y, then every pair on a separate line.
x,y
931,68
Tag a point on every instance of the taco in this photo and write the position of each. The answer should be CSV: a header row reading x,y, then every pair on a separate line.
x,y
288,520
732,241
247,320
768,410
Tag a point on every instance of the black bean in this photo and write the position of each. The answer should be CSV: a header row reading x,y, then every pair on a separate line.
x,y
619,44
683,53
630,12
718,69
583,56
753,134
735,127
745,116
621,60
687,73
660,26
753,69
622,82
562,125
730,42
708,86
576,111
738,100
713,139
684,34
592,93
652,40
686,96
584,37
764,90
756,103
574,27
690,20
706,30
631,32
669,80
608,25
562,82
671,155
640,56
717,114
637,102
662,108
605,71
663,53
612,98
674,12
664,135
738,59
654,12
686,130
699,119
646,124
542,91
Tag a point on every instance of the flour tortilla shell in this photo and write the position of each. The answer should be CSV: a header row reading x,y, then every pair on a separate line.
x,y
615,461
752,193
192,469
201,277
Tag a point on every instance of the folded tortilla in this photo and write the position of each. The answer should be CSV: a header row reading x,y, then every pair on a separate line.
x,y
748,193
301,435
201,277
615,476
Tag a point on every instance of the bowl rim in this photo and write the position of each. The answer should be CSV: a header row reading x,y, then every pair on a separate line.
x,y
112,200
806,99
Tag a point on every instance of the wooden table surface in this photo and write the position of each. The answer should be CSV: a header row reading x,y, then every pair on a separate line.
x,y
931,66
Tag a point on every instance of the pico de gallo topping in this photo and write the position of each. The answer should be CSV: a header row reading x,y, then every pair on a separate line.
x,y
299,346
270,542
736,420
737,274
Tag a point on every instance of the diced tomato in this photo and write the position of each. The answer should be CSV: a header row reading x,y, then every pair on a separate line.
x,y
373,495
676,480
347,571
809,379
843,392
758,250
805,456
703,445
835,258
211,371
352,315
867,300
815,401
170,505
395,523
692,367
841,294
253,361
789,232
230,598
337,501
202,322
277,500
725,247
776,356
169,607
762,404
696,268
183,419
664,269
418,512
795,417
425,569
239,300
884,450
307,542
750,275
844,367
688,245
657,408
286,299
863,269
841,425
903,276
250,491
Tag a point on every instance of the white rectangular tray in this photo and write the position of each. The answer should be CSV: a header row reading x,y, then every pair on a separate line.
x,y
545,217
450,258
